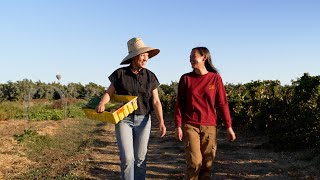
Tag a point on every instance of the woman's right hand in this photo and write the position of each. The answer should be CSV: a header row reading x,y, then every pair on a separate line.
x,y
178,133
100,108
105,99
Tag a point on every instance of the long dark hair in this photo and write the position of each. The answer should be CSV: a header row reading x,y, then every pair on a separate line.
x,y
205,51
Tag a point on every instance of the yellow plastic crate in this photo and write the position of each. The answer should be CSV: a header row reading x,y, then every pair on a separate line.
x,y
119,114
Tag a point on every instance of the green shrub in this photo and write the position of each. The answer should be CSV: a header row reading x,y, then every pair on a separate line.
x,y
75,112
110,106
27,133
10,110
44,113
288,115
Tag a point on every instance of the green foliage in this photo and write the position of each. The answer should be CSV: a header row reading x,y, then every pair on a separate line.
x,y
75,112
168,94
93,102
111,106
45,113
13,95
252,103
289,115
42,110
27,133
26,89
76,90
10,110
92,90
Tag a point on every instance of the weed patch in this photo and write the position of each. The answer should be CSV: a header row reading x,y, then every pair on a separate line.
x,y
27,133
58,156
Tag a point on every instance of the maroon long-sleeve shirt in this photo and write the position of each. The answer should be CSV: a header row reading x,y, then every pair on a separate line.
x,y
198,98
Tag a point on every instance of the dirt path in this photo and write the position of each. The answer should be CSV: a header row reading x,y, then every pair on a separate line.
x,y
246,158
242,159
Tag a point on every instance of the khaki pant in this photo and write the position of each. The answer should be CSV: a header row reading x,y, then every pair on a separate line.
x,y
200,147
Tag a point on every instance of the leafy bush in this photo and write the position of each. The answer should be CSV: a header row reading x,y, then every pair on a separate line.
x,y
10,110
27,133
288,115
168,94
75,112
44,113
111,106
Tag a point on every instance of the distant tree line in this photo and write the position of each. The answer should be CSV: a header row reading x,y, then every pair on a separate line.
x,y
19,90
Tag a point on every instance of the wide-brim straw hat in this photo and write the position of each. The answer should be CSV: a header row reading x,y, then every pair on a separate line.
x,y
136,47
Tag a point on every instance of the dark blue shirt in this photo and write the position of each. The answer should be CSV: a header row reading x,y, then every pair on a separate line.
x,y
141,85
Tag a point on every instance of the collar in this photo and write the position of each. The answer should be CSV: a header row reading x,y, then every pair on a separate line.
x,y
128,70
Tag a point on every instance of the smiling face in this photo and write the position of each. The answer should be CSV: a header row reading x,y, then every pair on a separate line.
x,y
197,60
140,61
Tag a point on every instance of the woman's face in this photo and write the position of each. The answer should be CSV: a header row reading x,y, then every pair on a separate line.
x,y
141,60
197,61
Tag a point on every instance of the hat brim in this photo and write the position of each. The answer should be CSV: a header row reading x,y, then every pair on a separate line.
x,y
152,52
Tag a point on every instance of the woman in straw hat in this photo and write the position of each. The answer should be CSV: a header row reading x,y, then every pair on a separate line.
x,y
132,133
200,92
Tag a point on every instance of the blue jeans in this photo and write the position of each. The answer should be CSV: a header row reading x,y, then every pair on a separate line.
x,y
132,135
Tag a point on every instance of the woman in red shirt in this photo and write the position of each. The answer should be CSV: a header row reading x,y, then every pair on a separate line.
x,y
200,93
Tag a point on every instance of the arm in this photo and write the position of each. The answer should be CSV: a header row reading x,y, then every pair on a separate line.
x,y
180,101
177,113
177,118
223,108
158,110
105,98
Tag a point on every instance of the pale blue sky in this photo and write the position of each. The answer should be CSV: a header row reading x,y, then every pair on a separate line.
x,y
85,40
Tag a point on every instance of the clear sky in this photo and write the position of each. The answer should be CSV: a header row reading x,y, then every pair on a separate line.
x,y
85,40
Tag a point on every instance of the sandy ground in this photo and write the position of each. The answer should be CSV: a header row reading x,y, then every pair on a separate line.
x,y
246,158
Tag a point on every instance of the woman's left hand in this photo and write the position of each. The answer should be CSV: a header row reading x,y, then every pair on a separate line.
x,y
231,134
